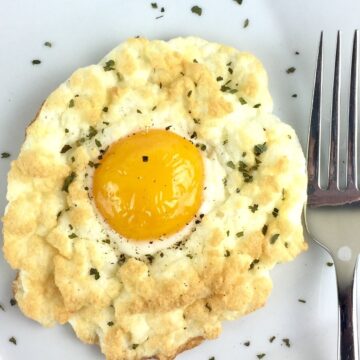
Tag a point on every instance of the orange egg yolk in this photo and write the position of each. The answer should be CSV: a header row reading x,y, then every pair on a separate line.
x,y
149,184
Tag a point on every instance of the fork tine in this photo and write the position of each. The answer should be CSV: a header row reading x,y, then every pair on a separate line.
x,y
313,158
352,131
335,116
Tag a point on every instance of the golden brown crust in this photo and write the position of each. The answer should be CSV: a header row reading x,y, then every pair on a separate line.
x,y
135,308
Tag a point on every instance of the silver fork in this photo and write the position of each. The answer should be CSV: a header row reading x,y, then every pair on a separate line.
x,y
332,195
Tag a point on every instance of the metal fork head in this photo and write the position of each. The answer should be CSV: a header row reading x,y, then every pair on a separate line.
x,y
332,195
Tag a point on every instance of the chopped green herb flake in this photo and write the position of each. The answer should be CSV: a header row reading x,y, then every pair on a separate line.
x,y
95,272
212,358
13,302
246,23
230,70
237,190
110,323
260,356
294,95
286,342
242,101
65,148
302,301
2,307
275,212
225,141
208,307
5,155
228,89
290,70
224,181
254,207
274,238
227,232
98,143
66,131
256,106
92,164
48,44
219,78
92,132
196,121
145,158
239,1
71,103
189,93
239,234
272,339
154,5
196,10
72,236
264,229
159,17
36,62
227,253
330,264
134,346
254,262
68,180
13,340
247,343
105,109
283,194
138,111
109,65
297,53
106,123
260,148
230,164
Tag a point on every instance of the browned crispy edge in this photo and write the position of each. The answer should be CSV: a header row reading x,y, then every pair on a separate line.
x,y
187,346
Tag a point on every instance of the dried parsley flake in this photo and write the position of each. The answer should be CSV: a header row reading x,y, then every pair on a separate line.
x,y
109,65
260,148
196,10
291,70
5,155
68,180
65,148
95,272
286,342
274,238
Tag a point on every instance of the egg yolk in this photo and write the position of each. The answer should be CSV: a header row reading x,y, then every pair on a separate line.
x,y
149,184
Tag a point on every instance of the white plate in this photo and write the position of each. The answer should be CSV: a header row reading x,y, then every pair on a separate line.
x,y
82,32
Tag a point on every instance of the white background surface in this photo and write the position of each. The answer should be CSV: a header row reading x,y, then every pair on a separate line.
x,y
82,32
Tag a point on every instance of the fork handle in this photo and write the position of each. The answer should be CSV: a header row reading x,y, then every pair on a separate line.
x,y
347,340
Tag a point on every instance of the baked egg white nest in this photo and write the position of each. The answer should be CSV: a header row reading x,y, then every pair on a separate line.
x,y
157,297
